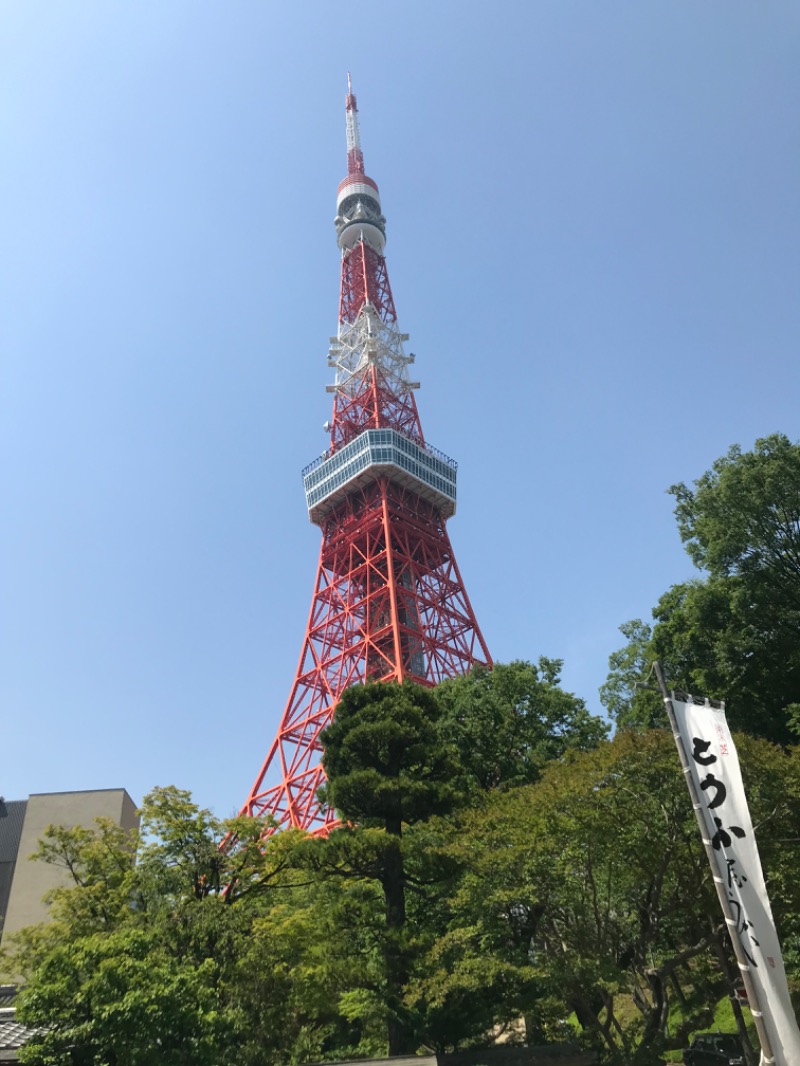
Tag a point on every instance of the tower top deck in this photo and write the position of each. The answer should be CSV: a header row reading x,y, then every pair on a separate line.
x,y
358,201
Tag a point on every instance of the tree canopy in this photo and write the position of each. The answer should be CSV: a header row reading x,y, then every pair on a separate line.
x,y
382,757
296,949
590,893
137,963
734,633
500,867
386,767
743,517
509,722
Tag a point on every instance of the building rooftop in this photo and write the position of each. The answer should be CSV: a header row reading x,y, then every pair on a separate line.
x,y
13,1034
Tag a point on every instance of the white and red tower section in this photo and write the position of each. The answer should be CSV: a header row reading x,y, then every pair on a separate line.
x,y
389,602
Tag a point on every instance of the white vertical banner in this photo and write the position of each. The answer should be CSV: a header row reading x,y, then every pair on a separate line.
x,y
714,766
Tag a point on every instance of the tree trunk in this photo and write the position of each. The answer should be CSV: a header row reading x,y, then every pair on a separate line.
x,y
400,1033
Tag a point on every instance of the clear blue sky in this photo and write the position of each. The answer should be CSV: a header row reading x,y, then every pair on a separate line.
x,y
593,240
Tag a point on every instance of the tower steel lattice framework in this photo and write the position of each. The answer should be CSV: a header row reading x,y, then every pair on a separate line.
x,y
388,602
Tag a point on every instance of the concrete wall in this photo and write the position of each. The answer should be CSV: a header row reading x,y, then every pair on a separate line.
x,y
33,879
12,818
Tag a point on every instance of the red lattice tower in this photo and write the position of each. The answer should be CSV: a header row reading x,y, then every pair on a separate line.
x,y
388,600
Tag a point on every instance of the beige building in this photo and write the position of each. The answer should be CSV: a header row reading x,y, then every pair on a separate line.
x,y
24,882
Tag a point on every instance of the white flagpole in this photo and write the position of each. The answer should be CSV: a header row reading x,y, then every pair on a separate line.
x,y
767,1055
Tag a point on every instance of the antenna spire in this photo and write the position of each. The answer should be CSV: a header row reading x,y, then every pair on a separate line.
x,y
355,157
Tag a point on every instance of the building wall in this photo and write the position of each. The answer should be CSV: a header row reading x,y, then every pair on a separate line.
x,y
12,815
31,880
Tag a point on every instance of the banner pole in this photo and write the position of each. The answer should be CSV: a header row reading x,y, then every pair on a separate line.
x,y
730,921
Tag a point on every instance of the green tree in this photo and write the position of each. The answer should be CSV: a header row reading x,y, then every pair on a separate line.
x,y
386,769
294,949
383,758
138,963
743,517
404,765
508,723
589,892
308,982
735,632
471,976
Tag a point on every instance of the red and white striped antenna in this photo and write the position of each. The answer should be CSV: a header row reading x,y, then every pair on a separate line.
x,y
355,157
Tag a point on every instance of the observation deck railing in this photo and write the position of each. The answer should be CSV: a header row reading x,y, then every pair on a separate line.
x,y
425,469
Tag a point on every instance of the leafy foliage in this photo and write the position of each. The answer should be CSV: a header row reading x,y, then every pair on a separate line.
x,y
743,516
590,894
386,767
135,966
382,759
508,723
454,902
735,633
628,666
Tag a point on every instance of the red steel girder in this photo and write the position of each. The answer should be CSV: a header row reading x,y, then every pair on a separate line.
x,y
372,403
388,603
365,280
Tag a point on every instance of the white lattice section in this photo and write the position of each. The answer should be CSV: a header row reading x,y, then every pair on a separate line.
x,y
369,341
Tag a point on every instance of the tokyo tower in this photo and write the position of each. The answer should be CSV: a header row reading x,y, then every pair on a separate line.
x,y
388,602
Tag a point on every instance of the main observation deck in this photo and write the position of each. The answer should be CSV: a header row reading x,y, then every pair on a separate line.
x,y
424,470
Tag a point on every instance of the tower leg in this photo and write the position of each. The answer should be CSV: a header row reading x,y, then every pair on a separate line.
x,y
388,604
